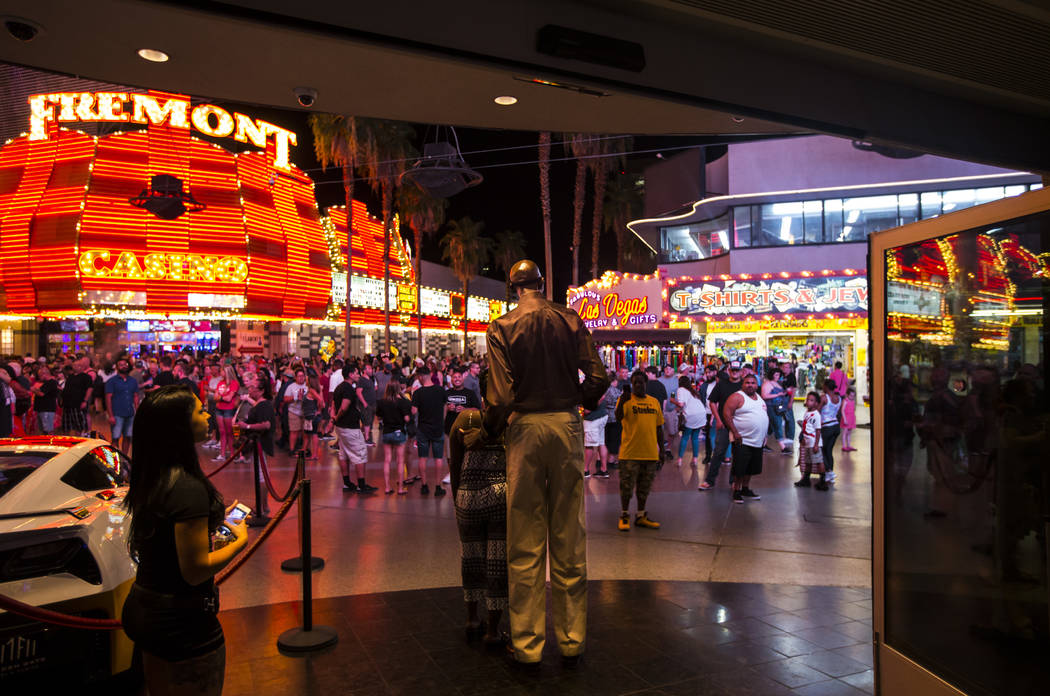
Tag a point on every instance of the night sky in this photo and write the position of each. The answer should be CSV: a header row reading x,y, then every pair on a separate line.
x,y
508,198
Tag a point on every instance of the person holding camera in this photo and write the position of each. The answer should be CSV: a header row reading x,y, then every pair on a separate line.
x,y
171,611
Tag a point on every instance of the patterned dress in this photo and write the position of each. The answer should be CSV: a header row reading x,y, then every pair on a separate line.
x,y
481,514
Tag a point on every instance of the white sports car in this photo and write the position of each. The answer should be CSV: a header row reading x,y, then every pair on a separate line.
x,y
63,546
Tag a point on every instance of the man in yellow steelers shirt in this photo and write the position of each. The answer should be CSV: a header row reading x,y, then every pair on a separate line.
x,y
642,418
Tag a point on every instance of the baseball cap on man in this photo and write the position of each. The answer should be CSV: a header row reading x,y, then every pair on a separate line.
x,y
734,364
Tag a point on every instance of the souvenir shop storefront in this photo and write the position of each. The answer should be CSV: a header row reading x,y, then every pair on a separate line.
x,y
813,319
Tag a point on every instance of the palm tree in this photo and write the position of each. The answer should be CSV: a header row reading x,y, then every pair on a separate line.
x,y
425,214
509,249
623,203
385,148
580,145
545,204
466,252
607,152
335,143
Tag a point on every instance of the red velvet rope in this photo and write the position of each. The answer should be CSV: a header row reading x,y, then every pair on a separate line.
x,y
299,470
240,448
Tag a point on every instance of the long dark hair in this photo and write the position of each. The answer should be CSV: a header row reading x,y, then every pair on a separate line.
x,y
684,381
162,451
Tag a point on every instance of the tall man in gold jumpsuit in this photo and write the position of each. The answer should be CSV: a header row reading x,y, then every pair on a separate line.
x,y
536,353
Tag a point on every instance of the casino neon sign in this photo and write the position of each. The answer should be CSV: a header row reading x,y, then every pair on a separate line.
x,y
155,109
176,267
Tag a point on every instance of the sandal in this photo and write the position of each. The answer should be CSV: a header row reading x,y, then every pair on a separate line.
x,y
389,491
403,491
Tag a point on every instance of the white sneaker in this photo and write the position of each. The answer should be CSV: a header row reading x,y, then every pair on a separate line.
x,y
447,479
830,477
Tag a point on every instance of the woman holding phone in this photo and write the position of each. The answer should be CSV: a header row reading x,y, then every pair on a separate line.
x,y
171,609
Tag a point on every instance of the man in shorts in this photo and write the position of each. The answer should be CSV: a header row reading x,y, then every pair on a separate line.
x,y
594,441
428,403
642,418
346,414
747,419
367,385
122,398
293,399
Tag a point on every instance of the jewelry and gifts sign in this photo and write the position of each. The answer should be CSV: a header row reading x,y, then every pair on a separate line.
x,y
800,295
616,300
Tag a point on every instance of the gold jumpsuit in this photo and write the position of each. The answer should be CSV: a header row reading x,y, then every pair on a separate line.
x,y
536,353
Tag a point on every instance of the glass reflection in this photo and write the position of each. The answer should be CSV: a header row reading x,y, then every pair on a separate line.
x,y
965,450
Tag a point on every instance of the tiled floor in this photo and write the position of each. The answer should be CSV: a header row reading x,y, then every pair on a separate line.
x,y
381,543
644,638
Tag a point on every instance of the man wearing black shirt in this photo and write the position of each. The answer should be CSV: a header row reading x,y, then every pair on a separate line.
x,y
165,377
428,403
790,384
76,395
346,415
717,399
458,399
46,402
367,386
261,418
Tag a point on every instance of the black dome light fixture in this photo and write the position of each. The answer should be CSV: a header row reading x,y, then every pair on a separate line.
x,y
166,199
442,172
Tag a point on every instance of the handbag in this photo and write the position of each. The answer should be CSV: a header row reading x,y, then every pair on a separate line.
x,y
681,422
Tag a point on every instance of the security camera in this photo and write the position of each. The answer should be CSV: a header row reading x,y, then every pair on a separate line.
x,y
22,29
306,96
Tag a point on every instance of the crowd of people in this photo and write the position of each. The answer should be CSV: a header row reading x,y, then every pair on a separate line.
x,y
388,402
698,402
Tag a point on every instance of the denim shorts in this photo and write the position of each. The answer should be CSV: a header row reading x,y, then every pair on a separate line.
x,y
122,426
430,448
398,437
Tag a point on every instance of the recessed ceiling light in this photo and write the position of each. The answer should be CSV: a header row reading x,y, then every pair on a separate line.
x,y
153,55
506,100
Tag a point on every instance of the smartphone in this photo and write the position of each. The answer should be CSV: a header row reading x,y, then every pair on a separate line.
x,y
239,512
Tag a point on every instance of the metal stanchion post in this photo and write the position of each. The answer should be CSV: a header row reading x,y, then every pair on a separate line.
x,y
308,637
295,564
260,517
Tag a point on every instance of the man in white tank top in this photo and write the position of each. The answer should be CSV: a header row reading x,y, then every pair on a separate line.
x,y
748,422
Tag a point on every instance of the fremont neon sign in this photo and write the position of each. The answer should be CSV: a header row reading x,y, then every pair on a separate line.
x,y
181,267
173,111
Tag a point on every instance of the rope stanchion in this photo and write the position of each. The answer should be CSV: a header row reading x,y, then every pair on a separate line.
x,y
261,516
295,564
308,638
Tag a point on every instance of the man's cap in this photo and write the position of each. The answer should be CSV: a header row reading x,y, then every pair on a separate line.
x,y
525,272
686,367
734,364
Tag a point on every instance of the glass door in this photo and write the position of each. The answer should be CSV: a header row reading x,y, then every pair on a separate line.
x,y
961,446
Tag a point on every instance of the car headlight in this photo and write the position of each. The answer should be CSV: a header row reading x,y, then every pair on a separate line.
x,y
62,556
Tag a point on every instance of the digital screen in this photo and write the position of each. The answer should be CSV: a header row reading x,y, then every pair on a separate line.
x,y
138,325
75,325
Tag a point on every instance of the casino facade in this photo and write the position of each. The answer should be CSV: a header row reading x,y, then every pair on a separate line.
x,y
149,238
